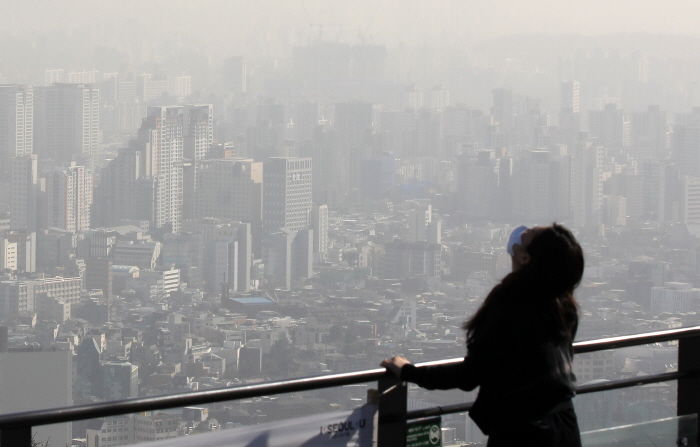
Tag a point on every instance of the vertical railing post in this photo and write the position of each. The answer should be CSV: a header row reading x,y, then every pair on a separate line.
x,y
392,412
689,388
19,436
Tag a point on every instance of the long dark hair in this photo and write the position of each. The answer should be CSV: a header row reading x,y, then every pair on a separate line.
x,y
539,295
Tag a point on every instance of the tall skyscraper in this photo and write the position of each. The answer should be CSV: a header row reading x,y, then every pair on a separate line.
x,y
123,191
16,134
168,135
541,187
198,139
163,134
23,195
611,127
230,189
69,198
67,122
319,223
198,130
16,121
353,126
570,97
286,193
235,75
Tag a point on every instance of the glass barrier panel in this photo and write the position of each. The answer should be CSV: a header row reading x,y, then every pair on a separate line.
x,y
672,431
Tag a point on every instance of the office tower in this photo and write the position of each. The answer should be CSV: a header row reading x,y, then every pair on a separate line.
x,y
277,256
586,163
691,203
266,137
319,223
352,123
306,120
69,198
286,193
16,121
650,134
569,111
378,176
121,380
67,122
124,192
302,256
228,256
570,100
685,146
288,257
541,187
55,248
230,189
24,191
611,127
477,185
420,216
503,110
396,128
235,76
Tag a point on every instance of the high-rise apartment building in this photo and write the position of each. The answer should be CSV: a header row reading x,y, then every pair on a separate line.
x,y
23,193
67,122
163,133
691,203
570,97
286,193
168,135
198,130
69,198
16,121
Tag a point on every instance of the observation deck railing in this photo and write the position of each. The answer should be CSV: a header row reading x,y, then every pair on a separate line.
x,y
16,428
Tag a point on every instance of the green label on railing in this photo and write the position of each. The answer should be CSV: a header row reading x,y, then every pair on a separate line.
x,y
424,433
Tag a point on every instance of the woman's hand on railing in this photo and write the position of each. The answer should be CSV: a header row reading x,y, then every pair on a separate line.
x,y
394,364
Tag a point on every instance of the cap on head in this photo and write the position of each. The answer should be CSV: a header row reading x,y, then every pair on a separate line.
x,y
515,238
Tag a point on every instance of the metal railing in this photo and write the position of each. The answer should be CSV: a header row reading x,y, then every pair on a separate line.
x,y
15,428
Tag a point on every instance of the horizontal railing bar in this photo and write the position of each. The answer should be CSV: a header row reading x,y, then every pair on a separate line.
x,y
583,389
136,405
439,410
625,341
115,408
634,381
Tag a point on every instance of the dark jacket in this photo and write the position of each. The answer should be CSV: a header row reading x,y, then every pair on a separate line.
x,y
522,375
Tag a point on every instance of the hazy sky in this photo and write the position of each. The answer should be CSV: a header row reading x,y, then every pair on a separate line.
x,y
241,23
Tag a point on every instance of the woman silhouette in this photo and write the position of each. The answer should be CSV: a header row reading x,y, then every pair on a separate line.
x,y
519,346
